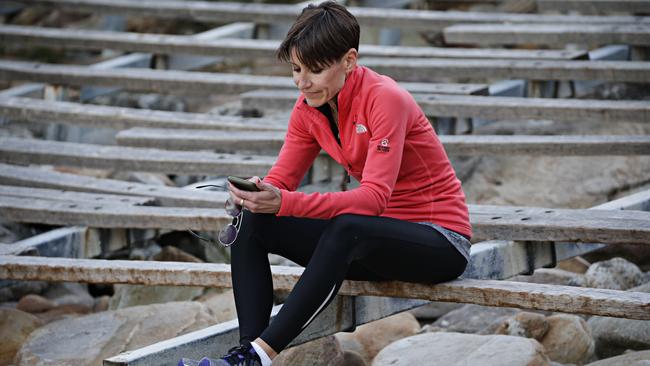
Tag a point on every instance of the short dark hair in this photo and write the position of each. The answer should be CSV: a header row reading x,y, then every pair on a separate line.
x,y
321,35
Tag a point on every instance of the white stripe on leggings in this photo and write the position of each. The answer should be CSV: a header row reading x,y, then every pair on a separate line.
x,y
320,307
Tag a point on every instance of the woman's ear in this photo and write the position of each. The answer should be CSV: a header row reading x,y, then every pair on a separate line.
x,y
350,59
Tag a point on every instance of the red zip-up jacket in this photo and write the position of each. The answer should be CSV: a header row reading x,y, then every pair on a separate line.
x,y
387,144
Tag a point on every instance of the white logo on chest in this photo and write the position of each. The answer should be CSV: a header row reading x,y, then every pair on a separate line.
x,y
361,129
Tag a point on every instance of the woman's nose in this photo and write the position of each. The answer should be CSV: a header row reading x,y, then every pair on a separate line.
x,y
301,82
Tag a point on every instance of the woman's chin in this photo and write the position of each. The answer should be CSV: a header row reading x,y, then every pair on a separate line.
x,y
315,103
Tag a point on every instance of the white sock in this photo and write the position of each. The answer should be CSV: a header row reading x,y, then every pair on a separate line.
x,y
266,360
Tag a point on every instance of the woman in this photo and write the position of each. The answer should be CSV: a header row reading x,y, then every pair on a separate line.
x,y
407,220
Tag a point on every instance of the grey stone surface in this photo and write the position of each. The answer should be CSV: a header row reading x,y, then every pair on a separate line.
x,y
368,339
456,349
474,319
613,336
616,274
15,327
641,358
325,351
87,340
69,293
434,310
568,339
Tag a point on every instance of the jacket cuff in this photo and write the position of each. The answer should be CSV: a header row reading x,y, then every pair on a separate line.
x,y
286,203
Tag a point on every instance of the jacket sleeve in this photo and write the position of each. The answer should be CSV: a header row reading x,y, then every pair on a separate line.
x,y
298,152
389,112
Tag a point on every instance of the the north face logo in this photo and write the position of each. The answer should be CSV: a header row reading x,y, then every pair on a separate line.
x,y
361,129
383,146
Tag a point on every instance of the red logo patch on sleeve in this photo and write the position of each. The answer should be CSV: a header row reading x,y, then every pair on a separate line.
x,y
383,146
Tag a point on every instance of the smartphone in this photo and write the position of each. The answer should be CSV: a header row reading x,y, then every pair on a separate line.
x,y
243,184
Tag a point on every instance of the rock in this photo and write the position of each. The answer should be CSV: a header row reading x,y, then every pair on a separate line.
x,y
220,305
70,293
575,264
63,311
552,276
434,310
368,339
278,260
11,232
87,340
34,304
101,303
616,274
568,339
161,102
15,290
638,254
612,336
642,288
585,181
147,251
474,319
456,349
351,358
133,295
629,359
15,327
325,351
525,324
170,253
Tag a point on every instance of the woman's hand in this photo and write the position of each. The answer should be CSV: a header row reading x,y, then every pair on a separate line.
x,y
268,200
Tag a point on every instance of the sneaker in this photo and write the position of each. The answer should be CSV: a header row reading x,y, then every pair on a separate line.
x,y
242,355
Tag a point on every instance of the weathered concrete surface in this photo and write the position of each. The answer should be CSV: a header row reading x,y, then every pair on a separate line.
x,y
483,292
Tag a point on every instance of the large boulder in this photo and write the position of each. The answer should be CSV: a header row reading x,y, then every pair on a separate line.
x,y
568,339
33,303
614,336
629,359
87,340
15,327
525,324
368,339
456,349
221,304
324,351
616,274
574,264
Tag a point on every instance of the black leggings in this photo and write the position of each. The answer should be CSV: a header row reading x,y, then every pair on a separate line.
x,y
351,247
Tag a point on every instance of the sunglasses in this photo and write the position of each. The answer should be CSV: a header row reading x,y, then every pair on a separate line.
x,y
228,234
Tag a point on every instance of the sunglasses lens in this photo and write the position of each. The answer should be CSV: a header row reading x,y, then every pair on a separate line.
x,y
228,235
232,209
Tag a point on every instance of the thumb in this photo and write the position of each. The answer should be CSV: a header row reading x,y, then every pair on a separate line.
x,y
259,183
265,186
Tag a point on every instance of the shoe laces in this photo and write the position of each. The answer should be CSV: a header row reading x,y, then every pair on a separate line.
x,y
242,355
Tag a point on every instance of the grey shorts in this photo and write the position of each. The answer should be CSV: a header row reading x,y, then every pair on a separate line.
x,y
458,241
